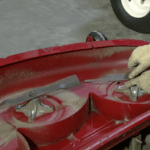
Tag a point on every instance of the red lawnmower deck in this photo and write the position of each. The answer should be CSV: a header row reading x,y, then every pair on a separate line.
x,y
90,116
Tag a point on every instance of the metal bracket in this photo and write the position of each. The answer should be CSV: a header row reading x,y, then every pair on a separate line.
x,y
134,92
34,108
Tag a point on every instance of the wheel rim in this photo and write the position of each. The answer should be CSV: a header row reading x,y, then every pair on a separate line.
x,y
136,8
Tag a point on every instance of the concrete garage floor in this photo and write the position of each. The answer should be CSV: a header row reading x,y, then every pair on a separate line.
x,y
32,24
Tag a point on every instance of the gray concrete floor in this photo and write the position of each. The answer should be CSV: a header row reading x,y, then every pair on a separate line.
x,y
31,24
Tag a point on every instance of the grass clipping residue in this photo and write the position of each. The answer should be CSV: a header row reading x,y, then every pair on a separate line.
x,y
7,133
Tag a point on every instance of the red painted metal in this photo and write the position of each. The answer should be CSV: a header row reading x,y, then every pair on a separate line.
x,y
60,127
69,48
120,106
122,42
44,52
89,39
109,122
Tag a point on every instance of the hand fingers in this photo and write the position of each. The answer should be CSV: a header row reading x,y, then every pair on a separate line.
x,y
140,68
139,52
132,82
132,63
133,60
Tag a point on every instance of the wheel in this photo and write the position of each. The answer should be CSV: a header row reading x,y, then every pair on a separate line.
x,y
134,14
96,36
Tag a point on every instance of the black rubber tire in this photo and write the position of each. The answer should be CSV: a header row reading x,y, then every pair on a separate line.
x,y
141,25
97,36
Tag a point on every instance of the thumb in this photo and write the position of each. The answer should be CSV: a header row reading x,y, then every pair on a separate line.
x,y
137,70
132,82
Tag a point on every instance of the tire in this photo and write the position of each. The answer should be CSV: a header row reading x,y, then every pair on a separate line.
x,y
96,36
139,24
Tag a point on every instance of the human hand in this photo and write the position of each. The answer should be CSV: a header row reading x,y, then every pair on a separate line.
x,y
142,81
139,60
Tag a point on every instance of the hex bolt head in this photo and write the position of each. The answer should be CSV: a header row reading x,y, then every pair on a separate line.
x,y
32,94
